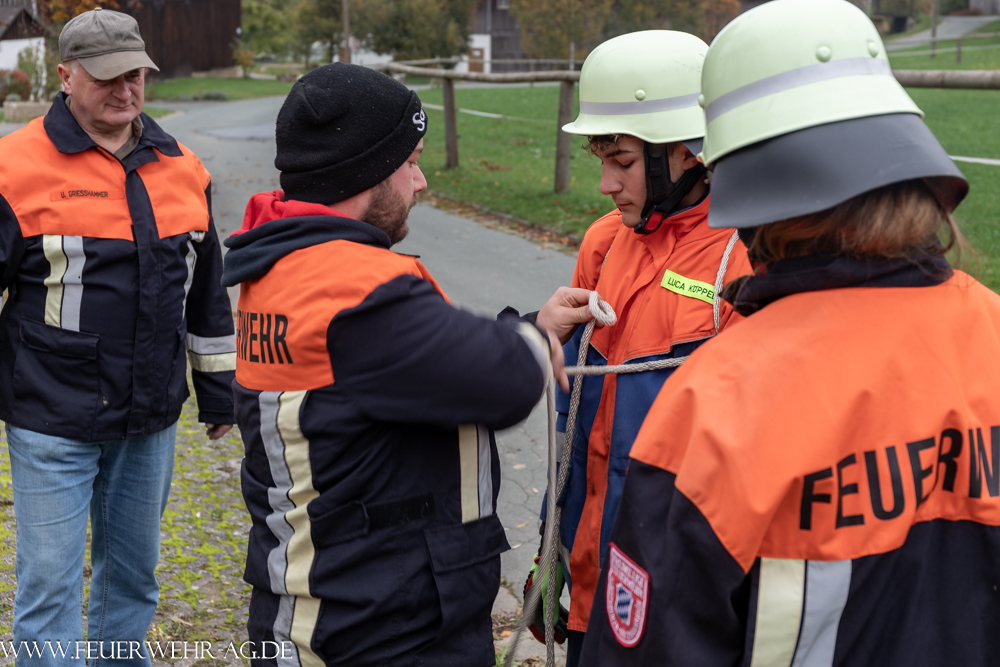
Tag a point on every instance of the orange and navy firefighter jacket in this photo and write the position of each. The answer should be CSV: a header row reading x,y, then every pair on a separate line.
x,y
662,287
367,405
112,274
821,485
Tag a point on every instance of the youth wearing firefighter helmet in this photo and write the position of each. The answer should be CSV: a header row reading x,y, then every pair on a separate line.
x,y
654,260
831,461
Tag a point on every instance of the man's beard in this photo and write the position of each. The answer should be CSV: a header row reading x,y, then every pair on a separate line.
x,y
388,211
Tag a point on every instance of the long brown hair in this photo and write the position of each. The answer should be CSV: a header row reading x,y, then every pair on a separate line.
x,y
897,221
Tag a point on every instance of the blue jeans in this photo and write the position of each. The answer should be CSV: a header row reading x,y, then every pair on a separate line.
x,y
122,485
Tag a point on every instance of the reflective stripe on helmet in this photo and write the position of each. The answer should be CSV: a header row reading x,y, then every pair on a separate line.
x,y
646,106
835,69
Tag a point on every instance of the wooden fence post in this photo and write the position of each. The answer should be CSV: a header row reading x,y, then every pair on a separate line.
x,y
564,141
450,124
958,50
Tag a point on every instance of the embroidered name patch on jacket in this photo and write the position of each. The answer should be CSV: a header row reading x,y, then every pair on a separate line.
x,y
695,289
627,598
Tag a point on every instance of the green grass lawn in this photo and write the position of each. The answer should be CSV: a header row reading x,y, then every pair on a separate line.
x,y
234,89
508,165
991,27
976,54
967,124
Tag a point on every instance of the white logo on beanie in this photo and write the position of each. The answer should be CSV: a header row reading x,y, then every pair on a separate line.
x,y
420,120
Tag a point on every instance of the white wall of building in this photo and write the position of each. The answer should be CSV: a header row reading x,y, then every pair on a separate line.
x,y
362,56
10,48
478,41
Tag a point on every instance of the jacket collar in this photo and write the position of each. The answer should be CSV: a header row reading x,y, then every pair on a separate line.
x,y
252,253
68,137
815,273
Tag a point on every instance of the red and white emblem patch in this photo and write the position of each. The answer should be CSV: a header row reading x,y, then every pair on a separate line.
x,y
627,598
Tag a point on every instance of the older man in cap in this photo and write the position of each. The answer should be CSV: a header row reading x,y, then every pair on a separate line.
x,y
112,263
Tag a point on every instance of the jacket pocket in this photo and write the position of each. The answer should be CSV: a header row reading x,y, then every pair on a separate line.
x,y
465,559
56,378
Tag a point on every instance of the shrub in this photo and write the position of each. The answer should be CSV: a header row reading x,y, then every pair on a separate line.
x,y
18,83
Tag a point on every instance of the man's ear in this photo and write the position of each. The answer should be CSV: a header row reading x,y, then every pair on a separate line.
x,y
64,74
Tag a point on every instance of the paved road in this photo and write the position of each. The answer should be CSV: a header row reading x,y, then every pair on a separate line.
x,y
481,269
951,27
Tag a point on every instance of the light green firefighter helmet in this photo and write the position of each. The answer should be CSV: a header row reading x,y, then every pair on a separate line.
x,y
803,113
810,62
645,84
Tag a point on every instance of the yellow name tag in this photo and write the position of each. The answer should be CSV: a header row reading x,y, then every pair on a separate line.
x,y
688,287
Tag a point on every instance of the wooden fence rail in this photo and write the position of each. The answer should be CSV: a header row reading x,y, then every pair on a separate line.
x,y
955,79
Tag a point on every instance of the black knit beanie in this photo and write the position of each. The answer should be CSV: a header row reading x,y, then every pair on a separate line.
x,y
343,129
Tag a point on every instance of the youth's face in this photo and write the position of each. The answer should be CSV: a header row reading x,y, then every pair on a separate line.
x,y
623,177
623,174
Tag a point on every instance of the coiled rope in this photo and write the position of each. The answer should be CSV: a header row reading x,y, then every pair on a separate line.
x,y
605,315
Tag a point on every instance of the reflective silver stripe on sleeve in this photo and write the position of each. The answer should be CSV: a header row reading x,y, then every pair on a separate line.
x,y
834,69
72,282
52,247
212,363
779,610
214,345
634,108
211,355
827,585
485,472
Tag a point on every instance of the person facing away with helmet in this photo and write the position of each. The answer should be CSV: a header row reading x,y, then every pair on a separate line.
x,y
366,402
833,494
654,260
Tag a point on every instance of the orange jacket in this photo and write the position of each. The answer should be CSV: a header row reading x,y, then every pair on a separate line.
x,y
113,272
661,286
820,486
367,405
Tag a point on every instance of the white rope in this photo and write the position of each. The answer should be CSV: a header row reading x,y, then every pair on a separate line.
x,y
604,314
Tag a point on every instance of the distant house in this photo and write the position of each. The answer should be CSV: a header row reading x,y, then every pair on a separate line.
x,y
184,36
985,6
495,36
18,29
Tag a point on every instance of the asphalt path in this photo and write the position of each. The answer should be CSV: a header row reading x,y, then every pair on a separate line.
x,y
480,269
951,27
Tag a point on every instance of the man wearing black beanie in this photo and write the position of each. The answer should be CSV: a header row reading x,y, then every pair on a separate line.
x,y
367,403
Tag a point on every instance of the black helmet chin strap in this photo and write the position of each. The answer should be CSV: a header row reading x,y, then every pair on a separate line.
x,y
663,196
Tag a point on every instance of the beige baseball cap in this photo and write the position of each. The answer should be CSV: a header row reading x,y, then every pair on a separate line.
x,y
107,44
